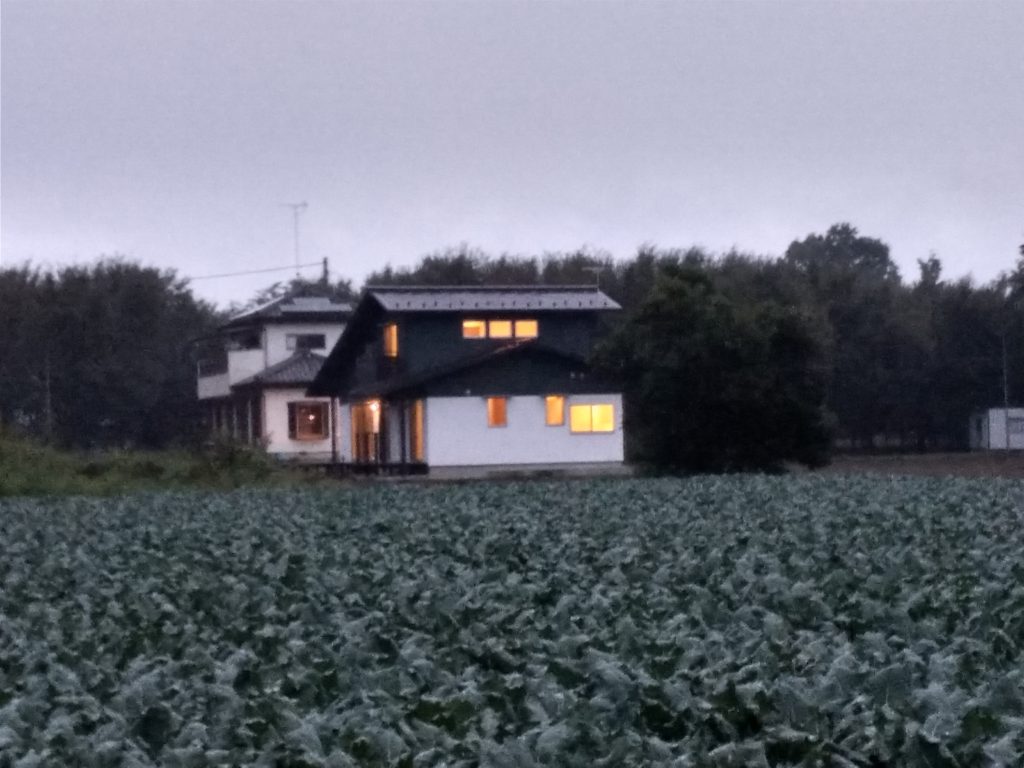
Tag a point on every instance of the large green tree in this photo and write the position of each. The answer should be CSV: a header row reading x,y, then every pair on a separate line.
x,y
99,355
716,385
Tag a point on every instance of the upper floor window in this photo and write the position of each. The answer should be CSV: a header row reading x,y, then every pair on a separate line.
x,y
474,329
305,341
526,329
499,329
391,340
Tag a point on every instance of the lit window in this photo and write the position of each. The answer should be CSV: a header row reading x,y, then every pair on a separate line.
x,y
499,329
497,411
307,421
526,329
474,329
599,417
391,340
416,431
554,410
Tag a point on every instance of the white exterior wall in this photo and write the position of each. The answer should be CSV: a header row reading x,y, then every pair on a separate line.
x,y
213,386
243,363
275,425
457,434
276,345
994,429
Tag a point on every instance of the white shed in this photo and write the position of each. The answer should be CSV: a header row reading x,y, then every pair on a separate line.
x,y
997,429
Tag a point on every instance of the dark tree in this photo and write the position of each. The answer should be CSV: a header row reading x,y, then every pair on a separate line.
x,y
712,385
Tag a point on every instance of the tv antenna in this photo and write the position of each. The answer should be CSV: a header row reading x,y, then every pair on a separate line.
x,y
297,209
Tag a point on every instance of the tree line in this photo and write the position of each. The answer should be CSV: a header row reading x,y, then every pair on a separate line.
x,y
727,361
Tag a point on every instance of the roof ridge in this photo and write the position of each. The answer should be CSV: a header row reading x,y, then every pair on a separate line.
x,y
486,287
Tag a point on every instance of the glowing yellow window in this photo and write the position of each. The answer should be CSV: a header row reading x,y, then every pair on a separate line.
x,y
497,411
499,329
526,329
599,417
391,340
554,410
474,329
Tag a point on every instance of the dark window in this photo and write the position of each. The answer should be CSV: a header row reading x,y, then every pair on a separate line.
x,y
305,341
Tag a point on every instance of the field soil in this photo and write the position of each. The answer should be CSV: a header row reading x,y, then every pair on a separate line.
x,y
933,464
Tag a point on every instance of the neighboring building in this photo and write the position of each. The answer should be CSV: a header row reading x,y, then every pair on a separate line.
x,y
254,381
469,380
990,429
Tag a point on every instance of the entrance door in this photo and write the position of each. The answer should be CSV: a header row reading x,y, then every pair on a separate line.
x,y
366,443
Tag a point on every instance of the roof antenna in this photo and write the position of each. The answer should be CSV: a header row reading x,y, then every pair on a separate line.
x,y
297,208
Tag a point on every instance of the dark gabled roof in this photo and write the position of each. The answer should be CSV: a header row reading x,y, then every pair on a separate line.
x,y
299,369
518,298
288,308
474,360
377,301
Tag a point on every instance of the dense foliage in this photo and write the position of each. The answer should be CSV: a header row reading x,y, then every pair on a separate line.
x,y
908,361
739,621
711,384
99,355
32,468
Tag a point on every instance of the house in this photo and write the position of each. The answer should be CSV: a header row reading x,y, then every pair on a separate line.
x,y
258,366
473,380
997,429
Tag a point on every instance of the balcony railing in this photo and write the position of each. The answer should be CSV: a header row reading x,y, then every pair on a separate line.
x,y
212,366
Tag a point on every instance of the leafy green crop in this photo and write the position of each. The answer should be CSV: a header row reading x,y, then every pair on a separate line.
x,y
735,621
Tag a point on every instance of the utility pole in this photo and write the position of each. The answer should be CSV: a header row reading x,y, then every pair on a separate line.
x,y
325,277
297,209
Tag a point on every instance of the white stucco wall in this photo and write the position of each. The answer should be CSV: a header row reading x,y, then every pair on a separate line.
x,y
994,437
457,433
213,386
275,425
275,340
243,363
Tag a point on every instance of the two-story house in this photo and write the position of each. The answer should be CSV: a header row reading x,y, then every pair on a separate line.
x,y
468,380
254,378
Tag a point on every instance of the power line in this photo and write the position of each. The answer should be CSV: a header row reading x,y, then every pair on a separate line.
x,y
255,271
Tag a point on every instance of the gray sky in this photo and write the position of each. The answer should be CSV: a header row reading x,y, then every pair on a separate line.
x,y
171,131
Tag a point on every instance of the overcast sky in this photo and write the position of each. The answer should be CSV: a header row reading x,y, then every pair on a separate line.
x,y
171,132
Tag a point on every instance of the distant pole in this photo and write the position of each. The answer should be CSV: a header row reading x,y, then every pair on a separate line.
x,y
297,209
325,273
1006,397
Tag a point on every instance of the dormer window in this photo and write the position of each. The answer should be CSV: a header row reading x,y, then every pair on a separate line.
x,y
474,329
301,341
499,329
526,329
391,340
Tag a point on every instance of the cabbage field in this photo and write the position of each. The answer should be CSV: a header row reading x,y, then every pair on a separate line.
x,y
733,621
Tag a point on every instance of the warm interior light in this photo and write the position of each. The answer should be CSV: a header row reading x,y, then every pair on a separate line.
x,y
374,405
526,329
554,407
474,329
499,329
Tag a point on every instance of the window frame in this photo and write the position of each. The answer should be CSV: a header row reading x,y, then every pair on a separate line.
x,y
389,340
492,414
549,400
291,341
475,322
295,419
526,321
591,419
